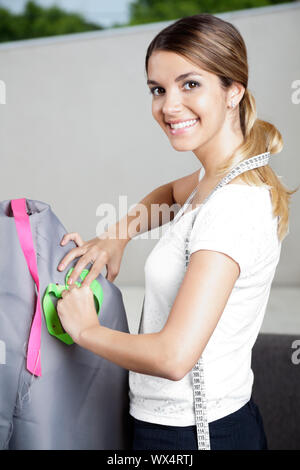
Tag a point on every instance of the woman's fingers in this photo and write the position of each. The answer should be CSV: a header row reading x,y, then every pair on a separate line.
x,y
94,271
72,254
72,236
98,252
67,291
93,274
75,252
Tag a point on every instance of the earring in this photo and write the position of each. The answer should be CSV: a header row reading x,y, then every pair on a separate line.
x,y
232,104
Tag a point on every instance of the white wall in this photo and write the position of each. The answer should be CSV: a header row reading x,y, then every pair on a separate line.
x,y
77,131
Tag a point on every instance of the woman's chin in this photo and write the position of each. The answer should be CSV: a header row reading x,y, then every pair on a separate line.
x,y
183,146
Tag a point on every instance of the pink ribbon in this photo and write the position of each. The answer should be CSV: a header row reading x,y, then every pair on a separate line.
x,y
25,237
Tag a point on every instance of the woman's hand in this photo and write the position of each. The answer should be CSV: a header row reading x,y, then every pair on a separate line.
x,y
76,311
105,250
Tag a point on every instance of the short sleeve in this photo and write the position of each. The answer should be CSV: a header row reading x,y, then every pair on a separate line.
x,y
231,222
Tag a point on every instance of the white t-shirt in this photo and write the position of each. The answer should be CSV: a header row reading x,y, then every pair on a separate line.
x,y
236,220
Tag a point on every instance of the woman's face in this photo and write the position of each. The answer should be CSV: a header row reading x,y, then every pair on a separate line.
x,y
197,97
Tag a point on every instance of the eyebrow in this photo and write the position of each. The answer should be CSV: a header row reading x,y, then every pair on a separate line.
x,y
180,77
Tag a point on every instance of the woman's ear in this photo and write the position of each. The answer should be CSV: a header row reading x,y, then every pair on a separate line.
x,y
235,94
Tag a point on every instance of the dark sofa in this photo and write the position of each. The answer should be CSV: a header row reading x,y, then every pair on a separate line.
x,y
276,389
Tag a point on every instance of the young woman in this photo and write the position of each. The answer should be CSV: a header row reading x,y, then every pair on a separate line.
x,y
197,72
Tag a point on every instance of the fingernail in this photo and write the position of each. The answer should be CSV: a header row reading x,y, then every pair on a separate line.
x,y
61,266
70,281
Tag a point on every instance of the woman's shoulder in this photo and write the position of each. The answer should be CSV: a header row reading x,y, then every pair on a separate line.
x,y
243,200
244,190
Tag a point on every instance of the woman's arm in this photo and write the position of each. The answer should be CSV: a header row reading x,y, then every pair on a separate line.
x,y
133,224
143,353
170,194
173,351
108,248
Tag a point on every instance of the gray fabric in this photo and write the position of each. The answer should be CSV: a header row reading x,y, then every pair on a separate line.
x,y
81,400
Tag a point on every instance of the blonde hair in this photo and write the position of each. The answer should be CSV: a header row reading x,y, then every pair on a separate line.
x,y
218,47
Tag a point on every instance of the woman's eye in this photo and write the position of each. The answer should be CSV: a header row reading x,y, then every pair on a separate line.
x,y
152,90
197,84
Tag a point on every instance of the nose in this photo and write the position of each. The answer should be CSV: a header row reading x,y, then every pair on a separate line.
x,y
171,103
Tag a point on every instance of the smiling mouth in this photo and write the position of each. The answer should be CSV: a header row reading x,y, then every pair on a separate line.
x,y
181,129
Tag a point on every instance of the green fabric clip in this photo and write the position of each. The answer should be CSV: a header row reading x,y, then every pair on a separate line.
x,y
52,319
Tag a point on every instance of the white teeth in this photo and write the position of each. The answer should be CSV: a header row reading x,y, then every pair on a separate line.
x,y
179,125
